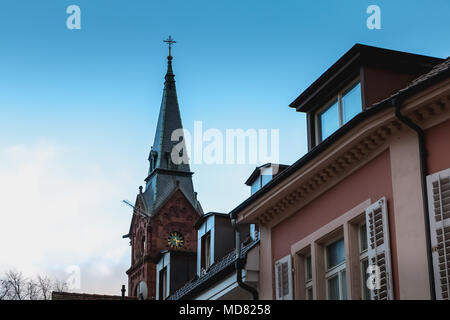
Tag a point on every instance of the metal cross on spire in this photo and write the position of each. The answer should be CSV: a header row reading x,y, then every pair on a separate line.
x,y
170,41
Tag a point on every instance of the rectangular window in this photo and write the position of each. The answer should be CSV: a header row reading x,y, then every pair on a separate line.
x,y
335,274
308,278
163,284
344,107
365,292
333,288
309,293
329,120
335,253
362,238
308,268
351,103
354,235
256,185
364,261
206,251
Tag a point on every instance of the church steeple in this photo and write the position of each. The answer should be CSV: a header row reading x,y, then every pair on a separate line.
x,y
168,199
168,121
164,174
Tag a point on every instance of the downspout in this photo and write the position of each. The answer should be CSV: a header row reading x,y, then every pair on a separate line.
x,y
396,103
240,263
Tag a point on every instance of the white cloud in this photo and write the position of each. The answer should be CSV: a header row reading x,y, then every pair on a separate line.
x,y
58,207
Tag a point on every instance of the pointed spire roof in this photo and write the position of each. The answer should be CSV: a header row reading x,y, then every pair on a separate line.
x,y
169,120
165,176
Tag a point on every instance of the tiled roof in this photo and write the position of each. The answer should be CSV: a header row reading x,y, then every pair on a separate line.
x,y
219,268
437,71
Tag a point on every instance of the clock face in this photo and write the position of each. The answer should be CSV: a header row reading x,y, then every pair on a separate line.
x,y
175,239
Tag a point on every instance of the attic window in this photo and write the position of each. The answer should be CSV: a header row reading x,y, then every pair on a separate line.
x,y
339,111
260,182
206,251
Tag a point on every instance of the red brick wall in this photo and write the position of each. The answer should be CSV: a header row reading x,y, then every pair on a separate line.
x,y
177,214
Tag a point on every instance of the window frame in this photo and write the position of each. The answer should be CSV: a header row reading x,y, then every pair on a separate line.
x,y
346,224
336,270
205,261
163,283
363,257
308,281
337,97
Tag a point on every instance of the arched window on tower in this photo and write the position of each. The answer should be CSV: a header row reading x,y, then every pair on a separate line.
x,y
153,159
143,245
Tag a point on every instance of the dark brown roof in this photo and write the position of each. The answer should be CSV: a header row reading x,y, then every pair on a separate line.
x,y
257,171
215,273
202,218
350,63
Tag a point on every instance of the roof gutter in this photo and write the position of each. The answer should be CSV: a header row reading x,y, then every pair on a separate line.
x,y
240,263
396,104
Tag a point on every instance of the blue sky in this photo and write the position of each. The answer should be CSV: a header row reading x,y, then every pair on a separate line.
x,y
78,108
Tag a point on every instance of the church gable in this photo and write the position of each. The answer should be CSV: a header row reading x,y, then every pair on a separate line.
x,y
137,219
138,232
175,215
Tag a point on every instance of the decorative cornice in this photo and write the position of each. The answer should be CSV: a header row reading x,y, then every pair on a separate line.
x,y
358,153
335,169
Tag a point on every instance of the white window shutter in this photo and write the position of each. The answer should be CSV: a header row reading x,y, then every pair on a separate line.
x,y
283,278
438,186
378,251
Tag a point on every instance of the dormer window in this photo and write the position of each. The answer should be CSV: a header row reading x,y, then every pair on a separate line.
x,y
346,105
215,239
262,175
206,251
260,182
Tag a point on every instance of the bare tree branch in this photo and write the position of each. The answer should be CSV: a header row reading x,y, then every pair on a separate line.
x,y
17,285
14,286
32,290
5,289
60,286
45,287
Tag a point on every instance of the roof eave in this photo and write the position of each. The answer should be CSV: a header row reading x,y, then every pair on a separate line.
x,y
353,60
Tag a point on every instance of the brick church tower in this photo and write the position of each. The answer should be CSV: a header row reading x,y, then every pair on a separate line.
x,y
166,211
